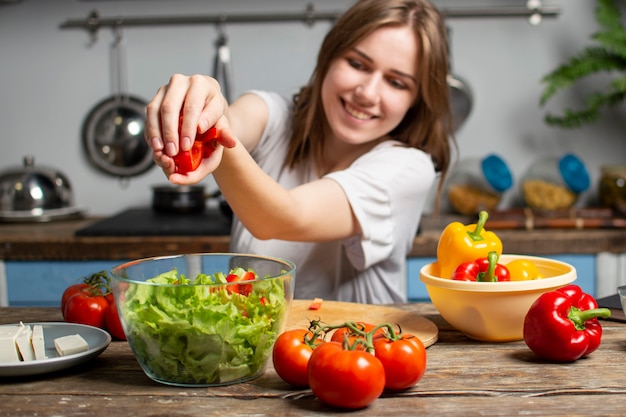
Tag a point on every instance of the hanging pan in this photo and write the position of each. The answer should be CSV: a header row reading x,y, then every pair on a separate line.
x,y
461,98
221,66
113,132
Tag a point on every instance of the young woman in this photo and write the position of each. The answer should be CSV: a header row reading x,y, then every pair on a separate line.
x,y
337,178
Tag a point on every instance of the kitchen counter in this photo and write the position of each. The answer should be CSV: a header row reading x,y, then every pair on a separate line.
x,y
57,241
463,378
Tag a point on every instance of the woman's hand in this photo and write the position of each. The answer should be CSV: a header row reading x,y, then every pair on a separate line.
x,y
198,99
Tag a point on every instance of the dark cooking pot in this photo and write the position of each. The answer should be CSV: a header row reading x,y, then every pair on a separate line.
x,y
186,199
178,199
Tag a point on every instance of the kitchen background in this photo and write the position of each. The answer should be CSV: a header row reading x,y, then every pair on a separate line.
x,y
51,78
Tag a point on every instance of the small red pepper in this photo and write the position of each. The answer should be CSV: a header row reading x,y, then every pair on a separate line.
x,y
562,325
203,146
243,289
482,270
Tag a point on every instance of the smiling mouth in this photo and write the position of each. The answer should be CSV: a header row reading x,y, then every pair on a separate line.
x,y
357,114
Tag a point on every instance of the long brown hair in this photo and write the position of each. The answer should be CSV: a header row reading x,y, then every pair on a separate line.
x,y
427,124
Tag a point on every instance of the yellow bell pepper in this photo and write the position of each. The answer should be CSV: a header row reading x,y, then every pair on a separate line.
x,y
523,270
465,243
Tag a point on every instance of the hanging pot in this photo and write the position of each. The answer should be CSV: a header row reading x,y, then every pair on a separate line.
x,y
113,132
222,73
222,66
461,98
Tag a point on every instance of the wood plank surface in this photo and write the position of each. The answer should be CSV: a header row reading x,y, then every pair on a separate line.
x,y
464,377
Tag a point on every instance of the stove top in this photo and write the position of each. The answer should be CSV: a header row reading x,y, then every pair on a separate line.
x,y
147,222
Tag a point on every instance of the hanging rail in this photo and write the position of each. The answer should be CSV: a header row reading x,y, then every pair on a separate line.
x,y
94,22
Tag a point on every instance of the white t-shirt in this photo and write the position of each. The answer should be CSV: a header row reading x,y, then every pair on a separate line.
x,y
387,189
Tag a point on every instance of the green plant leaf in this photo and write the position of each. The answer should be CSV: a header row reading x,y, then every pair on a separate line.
x,y
615,94
608,55
608,15
613,41
590,61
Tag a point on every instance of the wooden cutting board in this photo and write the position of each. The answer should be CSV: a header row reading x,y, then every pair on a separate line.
x,y
337,312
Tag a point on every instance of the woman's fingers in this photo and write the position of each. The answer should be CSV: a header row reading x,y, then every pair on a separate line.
x,y
152,130
225,135
170,108
165,163
196,98
179,110
204,104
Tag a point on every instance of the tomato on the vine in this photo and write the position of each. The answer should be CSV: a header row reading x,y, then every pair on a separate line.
x,y
404,360
86,307
341,333
70,291
291,356
348,379
91,302
112,320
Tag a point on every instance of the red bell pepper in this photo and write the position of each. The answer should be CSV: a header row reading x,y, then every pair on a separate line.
x,y
482,270
562,325
243,289
203,147
187,161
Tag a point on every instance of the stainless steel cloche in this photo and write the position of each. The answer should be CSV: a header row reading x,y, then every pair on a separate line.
x,y
34,193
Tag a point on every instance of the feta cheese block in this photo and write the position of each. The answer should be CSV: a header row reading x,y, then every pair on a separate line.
x,y
37,340
8,349
70,344
24,346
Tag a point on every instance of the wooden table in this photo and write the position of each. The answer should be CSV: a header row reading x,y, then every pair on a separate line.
x,y
463,378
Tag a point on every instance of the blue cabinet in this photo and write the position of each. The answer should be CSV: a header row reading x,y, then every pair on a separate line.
x,y
416,290
585,271
42,283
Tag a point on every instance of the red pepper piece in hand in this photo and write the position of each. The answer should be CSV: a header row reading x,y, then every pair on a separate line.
x,y
562,325
187,161
203,147
482,270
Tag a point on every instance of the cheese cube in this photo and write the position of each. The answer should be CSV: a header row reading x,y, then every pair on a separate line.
x,y
24,346
71,344
39,347
8,349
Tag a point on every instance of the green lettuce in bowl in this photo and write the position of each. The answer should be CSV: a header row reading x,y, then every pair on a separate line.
x,y
216,328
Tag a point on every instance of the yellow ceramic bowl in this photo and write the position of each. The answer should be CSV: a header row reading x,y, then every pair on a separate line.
x,y
494,311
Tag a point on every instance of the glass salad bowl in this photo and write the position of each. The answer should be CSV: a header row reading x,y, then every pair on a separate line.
x,y
203,319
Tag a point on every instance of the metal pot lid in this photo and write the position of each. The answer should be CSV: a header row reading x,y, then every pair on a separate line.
x,y
113,136
41,216
29,190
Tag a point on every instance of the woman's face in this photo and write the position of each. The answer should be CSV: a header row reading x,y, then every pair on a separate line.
x,y
368,89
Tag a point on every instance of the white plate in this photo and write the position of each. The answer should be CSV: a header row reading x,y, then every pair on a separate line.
x,y
96,338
